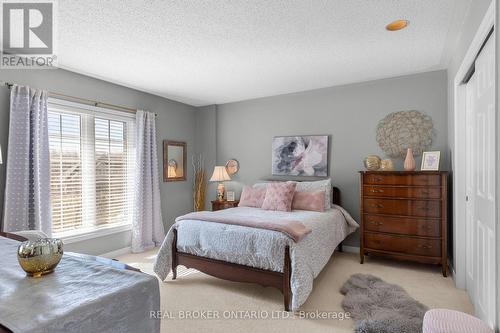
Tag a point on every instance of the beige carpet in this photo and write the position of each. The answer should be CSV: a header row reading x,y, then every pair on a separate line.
x,y
195,291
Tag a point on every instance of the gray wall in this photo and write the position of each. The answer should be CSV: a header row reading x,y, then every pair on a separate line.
x,y
175,122
349,114
206,145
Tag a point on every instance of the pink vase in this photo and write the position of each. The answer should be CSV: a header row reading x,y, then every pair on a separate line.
x,y
409,164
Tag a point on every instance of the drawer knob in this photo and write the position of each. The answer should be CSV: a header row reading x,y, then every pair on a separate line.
x,y
376,223
377,179
377,191
427,247
377,206
426,226
425,192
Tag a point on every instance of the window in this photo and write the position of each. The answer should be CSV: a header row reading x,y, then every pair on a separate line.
x,y
91,167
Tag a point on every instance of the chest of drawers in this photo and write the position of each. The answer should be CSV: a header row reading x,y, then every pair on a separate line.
x,y
404,215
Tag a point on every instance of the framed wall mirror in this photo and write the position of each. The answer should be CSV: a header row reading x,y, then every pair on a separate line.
x,y
174,161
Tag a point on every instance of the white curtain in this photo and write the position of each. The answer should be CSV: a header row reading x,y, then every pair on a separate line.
x,y
148,230
27,190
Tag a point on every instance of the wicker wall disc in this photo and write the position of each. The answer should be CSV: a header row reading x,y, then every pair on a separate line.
x,y
405,129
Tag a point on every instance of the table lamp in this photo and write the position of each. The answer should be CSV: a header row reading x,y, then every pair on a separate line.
x,y
220,175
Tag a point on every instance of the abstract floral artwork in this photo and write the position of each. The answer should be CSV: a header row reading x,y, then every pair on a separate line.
x,y
300,155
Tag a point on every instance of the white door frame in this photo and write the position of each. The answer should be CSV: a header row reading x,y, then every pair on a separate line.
x,y
459,158
497,68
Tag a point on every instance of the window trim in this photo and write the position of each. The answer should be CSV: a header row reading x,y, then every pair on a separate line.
x,y
90,232
82,234
89,109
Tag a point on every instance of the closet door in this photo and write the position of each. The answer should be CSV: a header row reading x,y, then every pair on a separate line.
x,y
481,215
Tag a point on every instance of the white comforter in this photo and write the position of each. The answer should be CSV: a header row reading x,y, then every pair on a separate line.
x,y
263,248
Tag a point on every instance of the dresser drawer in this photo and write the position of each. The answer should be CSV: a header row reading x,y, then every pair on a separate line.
x,y
401,244
419,208
402,192
392,179
401,225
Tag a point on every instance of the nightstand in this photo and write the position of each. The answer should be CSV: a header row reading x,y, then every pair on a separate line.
x,y
218,205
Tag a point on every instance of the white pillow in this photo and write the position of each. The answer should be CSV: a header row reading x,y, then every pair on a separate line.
x,y
319,185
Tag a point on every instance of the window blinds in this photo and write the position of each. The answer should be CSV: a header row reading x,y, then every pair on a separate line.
x,y
92,163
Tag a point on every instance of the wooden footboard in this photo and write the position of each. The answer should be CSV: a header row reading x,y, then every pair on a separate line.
x,y
236,272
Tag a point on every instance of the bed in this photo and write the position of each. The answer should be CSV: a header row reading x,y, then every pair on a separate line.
x,y
266,257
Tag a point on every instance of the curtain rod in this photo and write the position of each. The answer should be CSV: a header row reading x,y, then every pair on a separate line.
x,y
84,100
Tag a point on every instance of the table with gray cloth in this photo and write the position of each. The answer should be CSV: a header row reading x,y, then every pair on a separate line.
x,y
80,296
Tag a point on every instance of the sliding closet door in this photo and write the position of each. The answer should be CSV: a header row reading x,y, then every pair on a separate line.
x,y
481,180
471,227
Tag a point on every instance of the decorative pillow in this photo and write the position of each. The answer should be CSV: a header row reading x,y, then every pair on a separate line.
x,y
252,197
320,185
314,201
279,196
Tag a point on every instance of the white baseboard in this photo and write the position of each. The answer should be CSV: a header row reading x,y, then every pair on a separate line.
x,y
451,271
116,253
350,249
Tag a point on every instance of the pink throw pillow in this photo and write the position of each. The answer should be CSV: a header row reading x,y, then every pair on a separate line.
x,y
314,201
279,196
252,197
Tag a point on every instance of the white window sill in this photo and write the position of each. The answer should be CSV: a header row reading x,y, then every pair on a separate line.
x,y
79,235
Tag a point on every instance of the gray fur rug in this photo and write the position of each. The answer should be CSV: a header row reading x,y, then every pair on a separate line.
x,y
380,307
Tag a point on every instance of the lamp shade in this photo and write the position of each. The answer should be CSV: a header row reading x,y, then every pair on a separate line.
x,y
220,174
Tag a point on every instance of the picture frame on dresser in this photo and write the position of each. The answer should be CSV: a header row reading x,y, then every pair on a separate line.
x,y
430,160
404,216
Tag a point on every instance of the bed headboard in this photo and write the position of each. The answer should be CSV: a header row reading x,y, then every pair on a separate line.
x,y
335,195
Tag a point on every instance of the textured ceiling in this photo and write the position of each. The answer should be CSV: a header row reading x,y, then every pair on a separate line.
x,y
219,51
